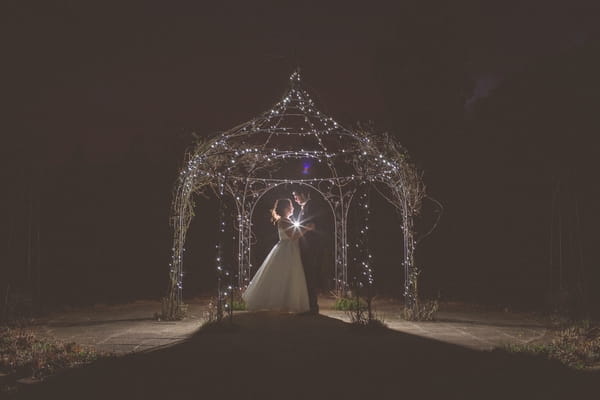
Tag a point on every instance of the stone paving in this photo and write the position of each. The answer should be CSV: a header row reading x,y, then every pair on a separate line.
x,y
133,328
466,326
120,328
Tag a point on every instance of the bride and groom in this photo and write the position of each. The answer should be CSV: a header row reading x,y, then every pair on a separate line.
x,y
286,280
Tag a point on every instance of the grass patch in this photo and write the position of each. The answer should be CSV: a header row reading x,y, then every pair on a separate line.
x,y
577,346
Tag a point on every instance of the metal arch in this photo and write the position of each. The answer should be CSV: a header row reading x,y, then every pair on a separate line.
x,y
245,247
337,195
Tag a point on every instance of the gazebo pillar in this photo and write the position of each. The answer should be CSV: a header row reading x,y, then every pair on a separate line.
x,y
341,265
411,273
244,243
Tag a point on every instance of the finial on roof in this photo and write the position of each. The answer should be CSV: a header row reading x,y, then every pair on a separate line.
x,y
295,78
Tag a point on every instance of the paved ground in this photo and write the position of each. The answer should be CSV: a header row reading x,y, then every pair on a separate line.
x,y
120,328
281,356
464,325
132,327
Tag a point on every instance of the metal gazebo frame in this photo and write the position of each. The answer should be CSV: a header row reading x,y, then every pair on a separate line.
x,y
250,159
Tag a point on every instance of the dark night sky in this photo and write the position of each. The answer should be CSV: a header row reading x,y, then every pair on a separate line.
x,y
113,71
99,103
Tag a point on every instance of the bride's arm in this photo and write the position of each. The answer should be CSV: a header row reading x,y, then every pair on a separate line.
x,y
292,231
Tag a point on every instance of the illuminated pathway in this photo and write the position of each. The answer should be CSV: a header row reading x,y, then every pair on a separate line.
x,y
131,327
464,325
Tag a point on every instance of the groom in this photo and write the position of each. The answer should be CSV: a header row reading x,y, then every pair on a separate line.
x,y
310,248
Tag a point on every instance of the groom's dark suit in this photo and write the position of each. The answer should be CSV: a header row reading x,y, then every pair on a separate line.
x,y
310,251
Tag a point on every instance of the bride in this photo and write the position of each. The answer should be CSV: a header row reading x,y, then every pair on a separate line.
x,y
279,284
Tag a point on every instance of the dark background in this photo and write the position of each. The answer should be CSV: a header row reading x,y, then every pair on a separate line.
x,y
497,104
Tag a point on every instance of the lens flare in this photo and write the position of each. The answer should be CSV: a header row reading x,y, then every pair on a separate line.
x,y
306,167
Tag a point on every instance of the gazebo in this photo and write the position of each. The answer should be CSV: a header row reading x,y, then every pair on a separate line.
x,y
295,143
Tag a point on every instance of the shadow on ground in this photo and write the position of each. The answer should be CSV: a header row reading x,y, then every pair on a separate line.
x,y
271,356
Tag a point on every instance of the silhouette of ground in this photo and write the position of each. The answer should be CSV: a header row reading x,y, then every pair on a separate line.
x,y
281,356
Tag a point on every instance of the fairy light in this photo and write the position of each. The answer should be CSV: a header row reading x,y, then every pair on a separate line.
x,y
248,160
363,259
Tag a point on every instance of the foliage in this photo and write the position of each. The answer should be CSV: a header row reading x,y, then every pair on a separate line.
x,y
349,304
23,354
238,305
422,311
364,322
359,311
362,318
213,313
215,317
577,346
223,305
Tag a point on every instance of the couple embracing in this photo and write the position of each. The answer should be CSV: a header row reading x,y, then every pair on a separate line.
x,y
287,279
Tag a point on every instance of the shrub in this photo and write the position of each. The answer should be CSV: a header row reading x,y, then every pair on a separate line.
x,y
23,354
423,311
577,346
349,304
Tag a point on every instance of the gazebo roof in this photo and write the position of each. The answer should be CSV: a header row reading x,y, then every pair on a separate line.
x,y
293,124
306,143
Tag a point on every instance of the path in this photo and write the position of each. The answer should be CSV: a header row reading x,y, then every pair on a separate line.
x,y
131,327
274,356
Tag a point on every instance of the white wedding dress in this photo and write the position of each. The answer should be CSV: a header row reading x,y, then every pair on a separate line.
x,y
279,284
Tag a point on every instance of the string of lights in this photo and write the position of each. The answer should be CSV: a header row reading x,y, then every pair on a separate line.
x,y
363,257
294,143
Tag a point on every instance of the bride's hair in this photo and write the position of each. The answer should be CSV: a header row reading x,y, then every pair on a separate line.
x,y
279,208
